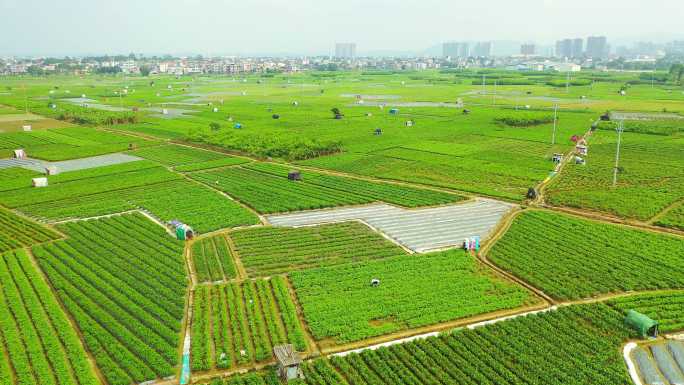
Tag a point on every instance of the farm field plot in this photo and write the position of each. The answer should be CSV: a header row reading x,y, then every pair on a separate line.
x,y
391,193
420,230
477,163
16,177
124,187
175,155
38,344
573,345
123,280
416,290
268,250
651,168
213,260
238,323
68,143
571,258
16,232
265,187
76,188
666,308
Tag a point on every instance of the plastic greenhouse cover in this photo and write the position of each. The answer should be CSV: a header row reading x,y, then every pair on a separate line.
x,y
667,365
677,349
647,368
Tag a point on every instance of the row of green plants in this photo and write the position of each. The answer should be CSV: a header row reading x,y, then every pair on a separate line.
x,y
270,194
666,308
571,346
175,155
123,187
75,188
575,345
212,259
654,127
391,193
38,343
266,145
525,119
239,323
273,250
16,231
123,281
414,291
572,258
265,187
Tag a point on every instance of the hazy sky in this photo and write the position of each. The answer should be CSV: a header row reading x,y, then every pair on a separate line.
x,y
59,27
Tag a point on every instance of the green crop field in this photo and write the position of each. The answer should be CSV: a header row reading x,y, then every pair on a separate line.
x,y
415,290
39,346
68,143
95,287
175,155
271,250
265,187
16,232
213,260
236,324
573,345
123,280
124,187
649,177
667,308
673,218
570,258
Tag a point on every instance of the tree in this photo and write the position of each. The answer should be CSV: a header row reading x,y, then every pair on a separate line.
x,y
677,72
145,70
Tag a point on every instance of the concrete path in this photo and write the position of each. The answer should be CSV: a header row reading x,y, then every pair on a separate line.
x,y
420,230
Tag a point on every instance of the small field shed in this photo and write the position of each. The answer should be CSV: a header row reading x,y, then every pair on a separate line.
x,y
289,362
645,326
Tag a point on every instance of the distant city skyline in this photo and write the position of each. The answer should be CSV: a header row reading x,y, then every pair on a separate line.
x,y
309,27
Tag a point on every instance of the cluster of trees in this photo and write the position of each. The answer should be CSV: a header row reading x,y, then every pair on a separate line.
x,y
677,72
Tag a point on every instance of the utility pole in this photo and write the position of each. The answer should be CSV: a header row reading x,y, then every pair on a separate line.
x,y
567,83
619,130
494,96
555,123
484,84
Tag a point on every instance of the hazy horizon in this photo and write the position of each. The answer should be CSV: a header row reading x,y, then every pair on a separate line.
x,y
308,27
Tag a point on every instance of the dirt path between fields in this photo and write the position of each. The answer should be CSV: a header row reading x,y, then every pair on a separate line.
x,y
666,210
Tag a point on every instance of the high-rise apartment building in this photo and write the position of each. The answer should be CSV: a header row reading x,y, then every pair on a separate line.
x,y
345,50
483,49
528,49
597,47
456,49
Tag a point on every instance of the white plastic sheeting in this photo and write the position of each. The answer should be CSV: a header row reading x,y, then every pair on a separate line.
x,y
420,230
69,165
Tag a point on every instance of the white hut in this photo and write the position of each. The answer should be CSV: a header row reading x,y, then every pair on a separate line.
x,y
27,128
39,182
19,154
